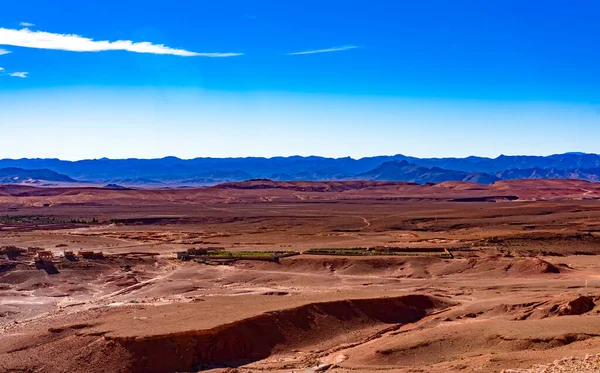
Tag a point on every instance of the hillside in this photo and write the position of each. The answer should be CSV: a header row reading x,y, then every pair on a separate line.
x,y
404,171
13,175
590,174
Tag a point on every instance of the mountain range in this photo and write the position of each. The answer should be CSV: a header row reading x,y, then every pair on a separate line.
x,y
172,171
14,175
404,171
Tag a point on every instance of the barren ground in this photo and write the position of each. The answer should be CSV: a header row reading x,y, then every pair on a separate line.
x,y
521,289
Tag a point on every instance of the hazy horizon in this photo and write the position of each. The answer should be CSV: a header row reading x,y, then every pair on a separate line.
x,y
306,156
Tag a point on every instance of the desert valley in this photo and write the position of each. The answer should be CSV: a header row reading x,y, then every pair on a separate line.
x,y
299,186
267,276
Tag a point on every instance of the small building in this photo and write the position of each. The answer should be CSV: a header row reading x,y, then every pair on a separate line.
x,y
89,254
11,249
182,255
45,256
12,252
197,251
32,250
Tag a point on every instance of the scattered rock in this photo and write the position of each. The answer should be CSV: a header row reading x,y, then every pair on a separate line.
x,y
231,370
322,368
587,364
341,358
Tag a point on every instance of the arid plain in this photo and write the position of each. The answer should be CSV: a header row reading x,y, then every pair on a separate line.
x,y
384,277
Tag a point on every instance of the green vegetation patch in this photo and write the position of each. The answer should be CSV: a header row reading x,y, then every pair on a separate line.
x,y
9,219
361,251
243,254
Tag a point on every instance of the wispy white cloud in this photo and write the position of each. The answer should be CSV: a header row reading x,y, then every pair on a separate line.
x,y
27,24
3,51
76,43
17,74
328,50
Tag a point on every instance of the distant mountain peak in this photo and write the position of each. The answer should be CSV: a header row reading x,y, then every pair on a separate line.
x,y
114,186
405,171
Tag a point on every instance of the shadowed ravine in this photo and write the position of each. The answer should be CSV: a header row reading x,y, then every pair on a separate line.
x,y
258,337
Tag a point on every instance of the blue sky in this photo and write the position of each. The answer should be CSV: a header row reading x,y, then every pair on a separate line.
x,y
265,78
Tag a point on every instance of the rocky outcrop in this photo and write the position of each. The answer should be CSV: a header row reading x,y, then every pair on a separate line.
x,y
577,306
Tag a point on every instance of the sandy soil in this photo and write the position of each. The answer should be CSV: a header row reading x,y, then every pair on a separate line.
x,y
519,294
